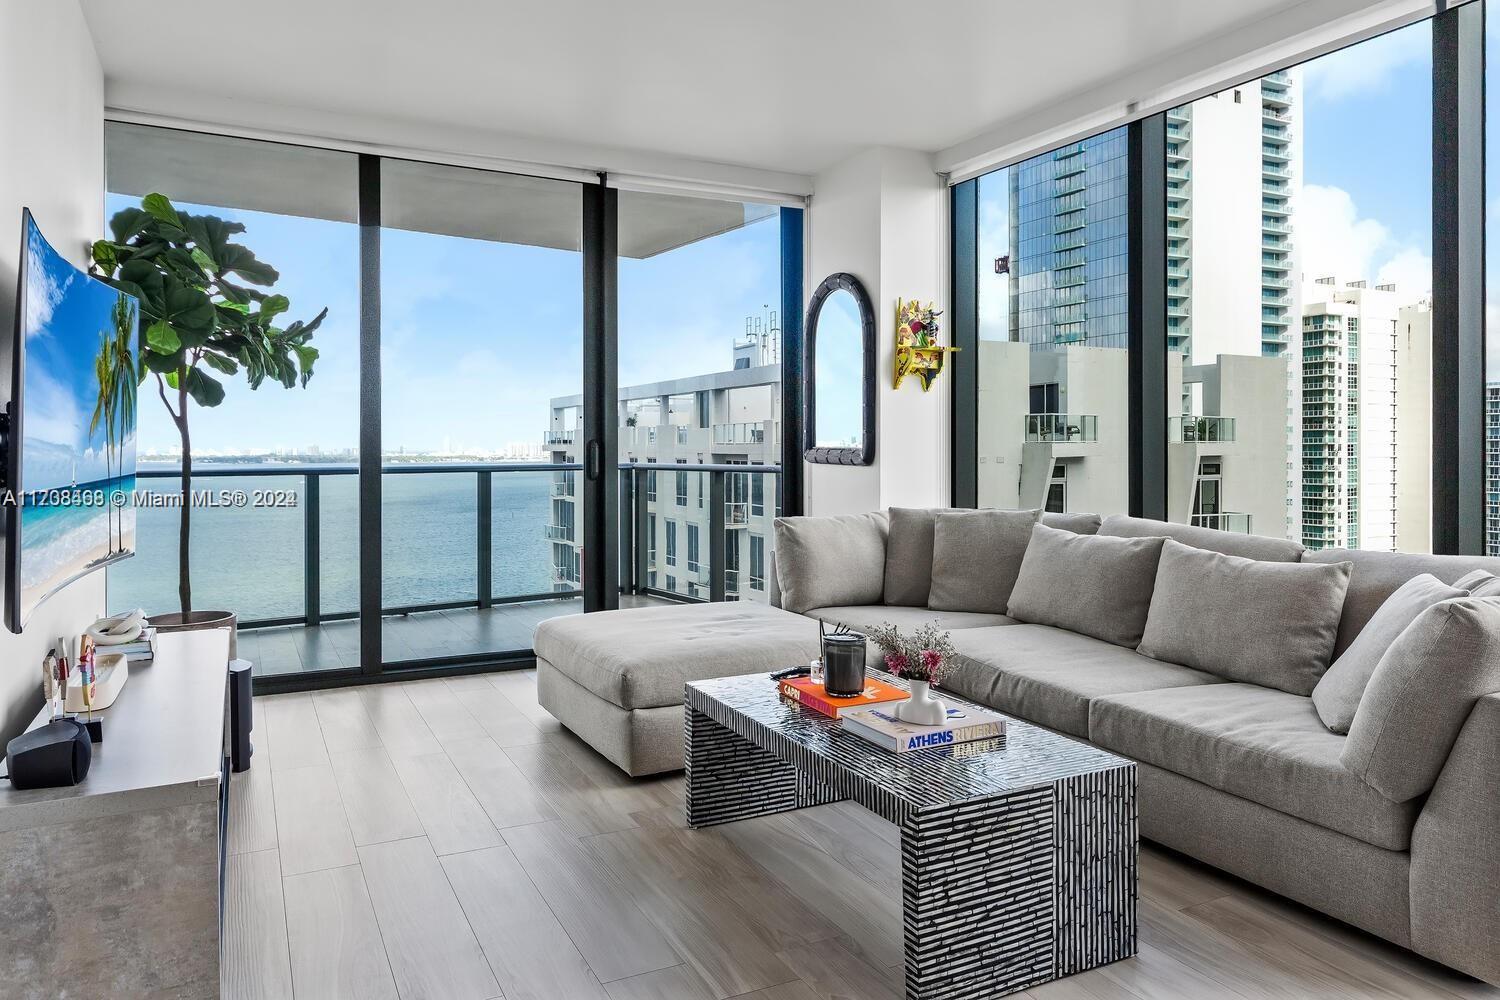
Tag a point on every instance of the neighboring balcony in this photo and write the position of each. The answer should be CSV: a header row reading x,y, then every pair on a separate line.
x,y
1062,428
559,533
1191,429
740,433
559,437
1227,521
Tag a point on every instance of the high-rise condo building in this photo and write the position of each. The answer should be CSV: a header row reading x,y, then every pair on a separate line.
x,y
1492,468
1366,404
729,417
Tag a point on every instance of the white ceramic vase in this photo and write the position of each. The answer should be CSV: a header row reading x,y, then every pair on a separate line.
x,y
922,709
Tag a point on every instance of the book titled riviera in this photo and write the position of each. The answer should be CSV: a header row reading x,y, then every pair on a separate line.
x,y
881,727
811,694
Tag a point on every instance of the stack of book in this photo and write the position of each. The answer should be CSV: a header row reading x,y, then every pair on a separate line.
x,y
141,648
880,726
811,694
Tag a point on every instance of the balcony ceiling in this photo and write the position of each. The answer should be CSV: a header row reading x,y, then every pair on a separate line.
x,y
786,85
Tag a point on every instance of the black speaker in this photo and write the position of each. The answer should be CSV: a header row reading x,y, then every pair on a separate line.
x,y
58,753
241,716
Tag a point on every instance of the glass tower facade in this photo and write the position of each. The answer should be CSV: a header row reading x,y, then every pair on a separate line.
x,y
1068,229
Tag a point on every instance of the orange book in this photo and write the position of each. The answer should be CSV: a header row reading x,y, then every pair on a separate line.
x,y
810,694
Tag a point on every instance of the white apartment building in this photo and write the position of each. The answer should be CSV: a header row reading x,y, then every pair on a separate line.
x,y
1366,418
724,418
1053,432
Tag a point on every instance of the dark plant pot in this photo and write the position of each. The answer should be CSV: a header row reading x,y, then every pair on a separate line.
x,y
176,621
844,664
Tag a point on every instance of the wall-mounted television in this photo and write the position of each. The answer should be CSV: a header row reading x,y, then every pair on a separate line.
x,y
70,446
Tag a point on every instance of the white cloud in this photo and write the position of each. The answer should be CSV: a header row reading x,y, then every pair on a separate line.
x,y
43,292
1335,241
1366,68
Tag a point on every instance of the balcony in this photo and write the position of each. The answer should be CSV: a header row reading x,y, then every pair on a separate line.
x,y
467,568
559,437
562,489
1226,521
1054,428
1191,429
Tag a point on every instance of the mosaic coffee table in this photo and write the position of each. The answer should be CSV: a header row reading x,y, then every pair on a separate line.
x,y
1018,853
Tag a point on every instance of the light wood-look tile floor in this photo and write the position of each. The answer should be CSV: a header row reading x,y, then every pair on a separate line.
x,y
447,839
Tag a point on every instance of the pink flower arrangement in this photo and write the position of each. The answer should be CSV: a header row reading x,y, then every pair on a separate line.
x,y
921,656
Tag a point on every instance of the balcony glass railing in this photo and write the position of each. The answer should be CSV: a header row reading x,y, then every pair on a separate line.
x,y
559,437
1189,429
1074,428
733,496
744,433
1226,521
455,535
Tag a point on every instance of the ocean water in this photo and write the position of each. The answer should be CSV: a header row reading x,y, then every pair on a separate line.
x,y
250,559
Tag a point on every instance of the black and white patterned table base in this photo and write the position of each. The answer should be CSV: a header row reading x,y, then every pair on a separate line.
x,y
999,893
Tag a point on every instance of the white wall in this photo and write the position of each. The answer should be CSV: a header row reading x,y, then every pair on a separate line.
x,y
879,216
52,118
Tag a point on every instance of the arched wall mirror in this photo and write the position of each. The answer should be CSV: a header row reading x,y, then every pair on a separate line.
x,y
840,374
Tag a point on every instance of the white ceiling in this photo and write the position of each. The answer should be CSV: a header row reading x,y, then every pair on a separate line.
x,y
784,85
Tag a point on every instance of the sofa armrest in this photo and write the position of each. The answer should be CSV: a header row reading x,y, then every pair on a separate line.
x,y
1455,853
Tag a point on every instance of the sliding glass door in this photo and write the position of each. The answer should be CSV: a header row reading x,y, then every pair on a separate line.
x,y
481,381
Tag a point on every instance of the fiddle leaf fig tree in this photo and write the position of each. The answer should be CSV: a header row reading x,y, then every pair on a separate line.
x,y
204,314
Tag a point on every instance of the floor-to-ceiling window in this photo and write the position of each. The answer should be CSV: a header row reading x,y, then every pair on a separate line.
x,y
481,374
459,307
1299,301
700,354
1312,371
1053,308
289,452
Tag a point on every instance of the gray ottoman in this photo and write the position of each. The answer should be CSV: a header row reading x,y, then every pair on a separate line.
x,y
615,678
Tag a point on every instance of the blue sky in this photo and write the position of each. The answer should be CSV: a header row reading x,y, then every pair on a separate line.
x,y
67,314
477,336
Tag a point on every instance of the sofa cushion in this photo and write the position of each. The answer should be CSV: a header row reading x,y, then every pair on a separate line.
x,y
1090,584
1271,623
1049,675
1263,745
1421,693
824,561
1230,543
1377,575
976,555
1338,692
642,657
1079,524
866,617
908,555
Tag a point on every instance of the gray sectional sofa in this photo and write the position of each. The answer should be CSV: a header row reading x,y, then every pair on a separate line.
x,y
1164,643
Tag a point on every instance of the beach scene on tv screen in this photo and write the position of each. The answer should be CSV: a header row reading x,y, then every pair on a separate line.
x,y
78,423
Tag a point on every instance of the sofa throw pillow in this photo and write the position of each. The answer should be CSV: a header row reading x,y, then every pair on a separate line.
x,y
1079,524
1472,579
1421,693
1094,585
1338,692
908,556
1267,623
824,562
1479,584
976,555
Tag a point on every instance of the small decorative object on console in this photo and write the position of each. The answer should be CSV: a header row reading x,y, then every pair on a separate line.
x,y
917,349
919,658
